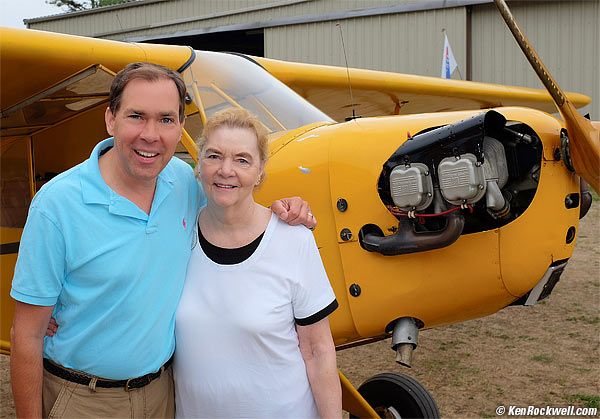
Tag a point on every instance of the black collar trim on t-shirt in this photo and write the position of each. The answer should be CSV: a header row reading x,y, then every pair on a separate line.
x,y
224,256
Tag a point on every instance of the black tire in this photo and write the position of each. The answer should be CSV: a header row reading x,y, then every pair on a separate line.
x,y
392,395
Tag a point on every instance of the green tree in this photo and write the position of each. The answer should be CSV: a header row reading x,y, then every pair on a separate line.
x,y
74,5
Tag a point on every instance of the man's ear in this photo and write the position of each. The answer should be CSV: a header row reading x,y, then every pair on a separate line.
x,y
109,119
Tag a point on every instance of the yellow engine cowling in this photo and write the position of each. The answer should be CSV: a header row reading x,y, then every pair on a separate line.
x,y
336,169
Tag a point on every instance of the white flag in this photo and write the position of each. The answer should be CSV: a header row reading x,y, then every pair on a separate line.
x,y
448,61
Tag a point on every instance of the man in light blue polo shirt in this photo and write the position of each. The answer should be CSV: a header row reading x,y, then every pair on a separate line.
x,y
104,251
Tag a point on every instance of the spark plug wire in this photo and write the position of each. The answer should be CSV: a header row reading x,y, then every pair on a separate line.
x,y
421,216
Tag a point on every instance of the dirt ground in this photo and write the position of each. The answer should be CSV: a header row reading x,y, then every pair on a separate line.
x,y
546,355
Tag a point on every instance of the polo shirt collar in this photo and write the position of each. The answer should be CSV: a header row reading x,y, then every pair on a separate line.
x,y
96,191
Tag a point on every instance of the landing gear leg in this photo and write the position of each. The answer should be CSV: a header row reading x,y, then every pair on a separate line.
x,y
353,402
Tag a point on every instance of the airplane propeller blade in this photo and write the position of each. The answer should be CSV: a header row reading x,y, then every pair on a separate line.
x,y
584,137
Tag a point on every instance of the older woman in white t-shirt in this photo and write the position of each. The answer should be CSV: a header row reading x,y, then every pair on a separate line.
x,y
252,328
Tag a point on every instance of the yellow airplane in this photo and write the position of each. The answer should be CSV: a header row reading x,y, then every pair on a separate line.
x,y
433,207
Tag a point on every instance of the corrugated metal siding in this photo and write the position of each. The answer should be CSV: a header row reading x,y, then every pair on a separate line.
x,y
564,34
116,19
407,42
126,20
314,7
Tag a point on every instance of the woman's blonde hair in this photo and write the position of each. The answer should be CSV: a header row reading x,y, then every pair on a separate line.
x,y
235,118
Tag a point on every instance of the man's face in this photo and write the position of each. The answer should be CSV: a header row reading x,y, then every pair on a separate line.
x,y
146,128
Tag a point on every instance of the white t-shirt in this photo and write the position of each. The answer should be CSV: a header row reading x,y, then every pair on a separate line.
x,y
237,351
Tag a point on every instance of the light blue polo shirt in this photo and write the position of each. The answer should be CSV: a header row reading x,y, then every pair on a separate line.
x,y
113,272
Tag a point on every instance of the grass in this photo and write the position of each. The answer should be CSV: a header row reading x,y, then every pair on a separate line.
x,y
436,364
492,334
450,345
527,337
595,197
546,359
588,401
584,319
471,370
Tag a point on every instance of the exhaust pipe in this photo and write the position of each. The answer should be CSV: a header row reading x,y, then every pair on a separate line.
x,y
405,340
406,240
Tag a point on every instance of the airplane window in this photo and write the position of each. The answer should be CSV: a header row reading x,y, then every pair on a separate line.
x,y
194,125
15,192
81,91
226,80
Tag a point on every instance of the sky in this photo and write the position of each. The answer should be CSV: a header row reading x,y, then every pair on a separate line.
x,y
13,12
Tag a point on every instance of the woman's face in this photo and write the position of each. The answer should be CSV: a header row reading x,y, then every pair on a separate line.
x,y
230,166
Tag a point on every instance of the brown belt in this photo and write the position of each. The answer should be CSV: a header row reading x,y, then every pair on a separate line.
x,y
129,384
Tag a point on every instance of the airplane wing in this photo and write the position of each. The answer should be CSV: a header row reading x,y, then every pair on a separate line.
x,y
39,68
378,93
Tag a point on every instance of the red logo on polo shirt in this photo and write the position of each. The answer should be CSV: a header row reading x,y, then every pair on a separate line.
x,y
184,222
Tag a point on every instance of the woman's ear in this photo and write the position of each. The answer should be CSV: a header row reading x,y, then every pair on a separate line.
x,y
262,176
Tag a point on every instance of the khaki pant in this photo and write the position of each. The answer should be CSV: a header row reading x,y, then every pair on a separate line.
x,y
65,399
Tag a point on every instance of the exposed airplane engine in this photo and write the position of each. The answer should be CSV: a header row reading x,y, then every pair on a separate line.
x,y
462,180
474,175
